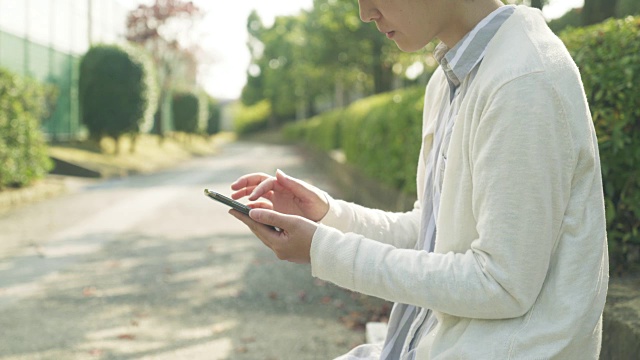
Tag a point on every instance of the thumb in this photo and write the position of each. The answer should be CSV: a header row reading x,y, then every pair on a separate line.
x,y
273,218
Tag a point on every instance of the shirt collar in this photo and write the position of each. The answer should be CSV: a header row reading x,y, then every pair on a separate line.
x,y
458,61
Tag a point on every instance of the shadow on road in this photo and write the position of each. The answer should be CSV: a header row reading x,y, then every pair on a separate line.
x,y
164,298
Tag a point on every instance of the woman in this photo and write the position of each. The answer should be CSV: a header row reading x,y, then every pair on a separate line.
x,y
505,253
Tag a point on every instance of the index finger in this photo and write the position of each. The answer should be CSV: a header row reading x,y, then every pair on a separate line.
x,y
249,180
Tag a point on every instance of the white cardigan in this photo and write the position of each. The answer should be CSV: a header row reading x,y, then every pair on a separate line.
x,y
520,268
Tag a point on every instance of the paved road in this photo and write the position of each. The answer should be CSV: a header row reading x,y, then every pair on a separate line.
x,y
146,267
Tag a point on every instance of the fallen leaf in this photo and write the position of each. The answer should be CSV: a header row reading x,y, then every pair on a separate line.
x,y
95,352
89,291
248,339
126,337
273,295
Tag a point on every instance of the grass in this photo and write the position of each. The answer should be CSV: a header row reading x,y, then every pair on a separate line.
x,y
151,152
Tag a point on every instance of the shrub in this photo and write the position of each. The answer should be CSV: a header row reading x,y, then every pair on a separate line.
x,y
23,151
248,119
378,134
214,116
117,91
381,134
185,107
608,56
321,132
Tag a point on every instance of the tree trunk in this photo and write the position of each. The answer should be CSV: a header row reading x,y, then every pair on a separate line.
x,y
595,11
134,138
116,141
378,76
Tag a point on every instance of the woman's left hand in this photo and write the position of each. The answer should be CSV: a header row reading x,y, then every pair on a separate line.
x,y
291,243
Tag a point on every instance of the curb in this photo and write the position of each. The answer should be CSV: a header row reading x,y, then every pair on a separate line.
x,y
46,188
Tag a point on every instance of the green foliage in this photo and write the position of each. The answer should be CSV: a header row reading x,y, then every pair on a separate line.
x,y
117,91
608,56
23,151
627,7
323,58
248,119
378,134
321,132
214,116
185,107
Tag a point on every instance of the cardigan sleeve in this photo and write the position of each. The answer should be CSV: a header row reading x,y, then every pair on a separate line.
x,y
521,167
395,228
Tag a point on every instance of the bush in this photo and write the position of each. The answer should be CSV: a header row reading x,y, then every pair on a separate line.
x,y
214,116
23,151
608,56
248,119
321,131
185,107
382,135
117,91
378,134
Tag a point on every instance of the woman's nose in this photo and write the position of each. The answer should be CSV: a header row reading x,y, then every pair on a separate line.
x,y
368,12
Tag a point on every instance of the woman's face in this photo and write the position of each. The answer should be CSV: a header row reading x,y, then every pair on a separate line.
x,y
412,24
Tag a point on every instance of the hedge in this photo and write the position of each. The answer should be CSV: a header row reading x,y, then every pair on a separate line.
x,y
380,134
23,151
185,109
248,119
117,90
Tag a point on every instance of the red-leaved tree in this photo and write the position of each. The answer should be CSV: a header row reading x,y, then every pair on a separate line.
x,y
165,28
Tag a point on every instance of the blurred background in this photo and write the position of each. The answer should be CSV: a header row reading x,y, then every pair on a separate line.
x,y
298,57
183,95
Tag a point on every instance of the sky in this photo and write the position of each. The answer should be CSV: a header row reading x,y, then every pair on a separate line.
x,y
223,34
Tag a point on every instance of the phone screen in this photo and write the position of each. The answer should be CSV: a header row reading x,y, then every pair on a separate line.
x,y
227,201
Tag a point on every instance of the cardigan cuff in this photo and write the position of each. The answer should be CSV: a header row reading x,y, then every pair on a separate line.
x,y
333,255
337,216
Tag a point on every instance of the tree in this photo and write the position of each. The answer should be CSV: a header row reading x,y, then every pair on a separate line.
x,y
162,29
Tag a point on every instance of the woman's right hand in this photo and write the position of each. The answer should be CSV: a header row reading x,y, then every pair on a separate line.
x,y
285,194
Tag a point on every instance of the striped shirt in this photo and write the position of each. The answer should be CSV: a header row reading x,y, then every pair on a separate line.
x,y
407,323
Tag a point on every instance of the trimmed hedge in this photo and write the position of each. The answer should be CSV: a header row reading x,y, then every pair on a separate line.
x,y
248,119
117,90
23,151
380,134
185,108
608,55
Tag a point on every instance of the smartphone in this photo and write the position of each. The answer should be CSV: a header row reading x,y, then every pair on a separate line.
x,y
227,201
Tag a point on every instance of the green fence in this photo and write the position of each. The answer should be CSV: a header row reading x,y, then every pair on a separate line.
x,y
46,65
